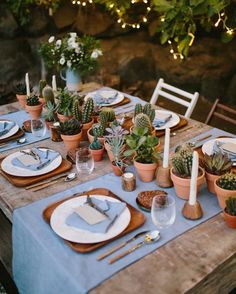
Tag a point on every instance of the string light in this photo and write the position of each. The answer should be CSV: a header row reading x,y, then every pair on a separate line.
x,y
82,3
222,17
175,55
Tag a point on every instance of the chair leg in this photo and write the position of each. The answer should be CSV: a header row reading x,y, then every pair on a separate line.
x,y
7,281
211,111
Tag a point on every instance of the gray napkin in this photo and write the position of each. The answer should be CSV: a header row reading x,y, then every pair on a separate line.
x,y
101,98
161,120
6,126
216,149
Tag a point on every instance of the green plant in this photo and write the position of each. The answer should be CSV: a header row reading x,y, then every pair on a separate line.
x,y
48,95
116,144
42,85
182,161
116,130
87,111
50,114
65,102
231,206
70,127
95,145
107,115
20,89
76,109
98,130
138,109
141,120
33,100
146,109
227,181
217,163
142,145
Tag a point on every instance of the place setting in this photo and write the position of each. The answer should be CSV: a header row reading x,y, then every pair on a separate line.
x,y
10,131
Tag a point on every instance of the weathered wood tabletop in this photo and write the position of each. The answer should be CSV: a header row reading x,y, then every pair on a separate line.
x,y
202,260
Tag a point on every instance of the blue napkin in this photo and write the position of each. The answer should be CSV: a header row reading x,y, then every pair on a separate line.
x,y
46,156
6,126
216,149
112,209
159,122
100,99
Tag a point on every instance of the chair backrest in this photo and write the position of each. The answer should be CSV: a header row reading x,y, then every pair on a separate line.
x,y
220,106
160,91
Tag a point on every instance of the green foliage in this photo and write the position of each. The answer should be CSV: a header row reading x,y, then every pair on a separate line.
x,y
87,111
107,115
70,127
48,95
33,100
76,109
227,181
182,161
142,121
98,130
138,109
65,102
42,85
95,145
146,109
50,114
217,163
20,89
231,206
116,144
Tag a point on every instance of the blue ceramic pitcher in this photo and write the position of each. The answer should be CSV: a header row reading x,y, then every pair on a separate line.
x,y
73,79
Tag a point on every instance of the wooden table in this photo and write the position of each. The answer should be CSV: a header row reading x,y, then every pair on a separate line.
x,y
202,260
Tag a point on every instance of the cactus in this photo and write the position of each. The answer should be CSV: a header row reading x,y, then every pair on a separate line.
x,y
98,130
138,109
95,145
42,85
231,206
70,127
182,162
146,109
33,100
227,181
143,121
217,163
87,111
108,114
76,109
48,95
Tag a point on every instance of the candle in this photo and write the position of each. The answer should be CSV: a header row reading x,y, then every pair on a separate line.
x,y
193,182
166,148
27,84
54,83
128,182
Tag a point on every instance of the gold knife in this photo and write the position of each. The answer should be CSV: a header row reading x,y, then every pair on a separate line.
x,y
44,186
44,182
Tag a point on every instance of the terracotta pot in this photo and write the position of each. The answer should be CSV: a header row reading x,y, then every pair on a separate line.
x,y
91,137
146,171
230,220
210,179
85,129
22,100
117,170
223,194
34,111
49,124
42,100
182,185
62,118
97,154
95,118
71,141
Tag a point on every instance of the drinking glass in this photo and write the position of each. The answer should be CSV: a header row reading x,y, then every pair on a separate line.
x,y
84,161
38,128
163,216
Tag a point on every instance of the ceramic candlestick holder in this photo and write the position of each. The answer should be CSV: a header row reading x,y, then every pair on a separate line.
x,y
192,212
163,177
128,182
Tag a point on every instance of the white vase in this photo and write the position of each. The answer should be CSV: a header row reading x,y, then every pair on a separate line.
x,y
73,79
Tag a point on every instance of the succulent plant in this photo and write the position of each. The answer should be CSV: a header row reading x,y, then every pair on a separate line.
x,y
146,109
20,89
116,146
227,181
76,109
138,109
50,114
65,102
115,130
98,130
70,127
42,85
231,206
87,111
217,163
96,145
33,100
107,115
182,161
48,95
142,121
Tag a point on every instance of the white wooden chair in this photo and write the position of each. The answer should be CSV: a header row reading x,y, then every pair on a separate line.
x,y
160,91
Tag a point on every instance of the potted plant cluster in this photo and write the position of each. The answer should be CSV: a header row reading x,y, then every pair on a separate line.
x,y
215,165
33,106
142,146
181,171
96,149
230,212
225,187
50,107
64,109
71,133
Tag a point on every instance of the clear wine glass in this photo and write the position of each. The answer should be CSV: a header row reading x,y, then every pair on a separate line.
x,y
163,213
84,161
38,128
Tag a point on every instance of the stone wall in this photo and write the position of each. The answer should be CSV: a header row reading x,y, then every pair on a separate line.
x,y
133,60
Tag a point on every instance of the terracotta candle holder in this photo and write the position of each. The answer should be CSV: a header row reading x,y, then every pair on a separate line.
x,y
192,212
163,177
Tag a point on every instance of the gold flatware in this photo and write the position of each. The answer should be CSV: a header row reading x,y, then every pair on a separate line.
x,y
45,182
199,140
115,248
44,186
181,131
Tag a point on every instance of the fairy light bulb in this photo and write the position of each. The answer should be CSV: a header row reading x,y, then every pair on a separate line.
x,y
119,20
144,19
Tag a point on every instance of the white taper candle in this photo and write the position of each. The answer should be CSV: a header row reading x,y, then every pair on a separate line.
x,y
54,83
193,182
166,148
27,84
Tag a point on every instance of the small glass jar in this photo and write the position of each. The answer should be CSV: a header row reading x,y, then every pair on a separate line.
x,y
128,182
55,132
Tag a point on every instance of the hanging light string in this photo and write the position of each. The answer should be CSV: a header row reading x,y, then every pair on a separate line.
x,y
82,2
222,17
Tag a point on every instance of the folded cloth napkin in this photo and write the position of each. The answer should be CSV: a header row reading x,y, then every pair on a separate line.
x,y
105,96
112,209
6,126
45,156
217,149
161,119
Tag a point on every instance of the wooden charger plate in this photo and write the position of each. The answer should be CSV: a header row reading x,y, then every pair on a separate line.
x,y
137,220
26,181
16,136
126,100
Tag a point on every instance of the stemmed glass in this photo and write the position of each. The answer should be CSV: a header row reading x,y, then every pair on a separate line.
x,y
163,211
84,161
38,128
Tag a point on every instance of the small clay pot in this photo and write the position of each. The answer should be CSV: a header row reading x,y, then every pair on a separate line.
x,y
71,141
230,220
42,100
97,154
91,137
22,100
117,170
210,179
49,124
223,194
85,129
34,111
146,171
62,118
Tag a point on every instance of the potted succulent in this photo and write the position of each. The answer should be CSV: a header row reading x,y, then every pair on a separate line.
x,y
64,109
215,165
181,171
142,146
20,90
230,212
42,85
96,149
149,112
225,187
71,133
33,106
50,114
96,111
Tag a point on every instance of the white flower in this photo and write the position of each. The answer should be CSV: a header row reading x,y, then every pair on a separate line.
x,y
74,45
73,35
77,50
68,63
62,60
96,53
51,39
58,43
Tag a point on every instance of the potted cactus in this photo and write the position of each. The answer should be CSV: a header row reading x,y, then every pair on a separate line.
x,y
71,133
20,90
143,147
96,149
50,114
230,212
33,106
181,171
215,165
64,109
146,109
42,85
225,187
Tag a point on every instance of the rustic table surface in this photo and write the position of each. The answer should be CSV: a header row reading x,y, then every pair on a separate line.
x,y
203,260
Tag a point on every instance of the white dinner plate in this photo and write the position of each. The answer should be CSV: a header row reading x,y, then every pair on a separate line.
x,y
13,170
174,120
119,98
73,234
12,131
208,146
